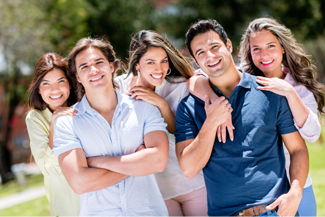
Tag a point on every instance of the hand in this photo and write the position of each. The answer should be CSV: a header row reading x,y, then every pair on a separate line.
x,y
287,203
222,130
63,111
146,94
217,112
275,85
95,161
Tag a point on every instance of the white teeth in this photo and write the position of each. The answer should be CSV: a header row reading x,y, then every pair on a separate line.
x,y
157,76
55,97
95,79
267,62
214,63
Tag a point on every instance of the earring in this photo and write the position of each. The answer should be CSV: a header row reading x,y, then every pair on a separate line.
x,y
284,51
169,71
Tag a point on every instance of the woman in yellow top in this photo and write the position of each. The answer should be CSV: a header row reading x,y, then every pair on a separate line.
x,y
48,97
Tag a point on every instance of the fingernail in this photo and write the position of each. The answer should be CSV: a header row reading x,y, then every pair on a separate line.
x,y
219,140
224,141
233,127
232,139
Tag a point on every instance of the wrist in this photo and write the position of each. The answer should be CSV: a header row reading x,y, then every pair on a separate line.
x,y
296,189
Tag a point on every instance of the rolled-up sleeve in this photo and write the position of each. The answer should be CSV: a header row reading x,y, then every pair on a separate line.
x,y
64,138
154,120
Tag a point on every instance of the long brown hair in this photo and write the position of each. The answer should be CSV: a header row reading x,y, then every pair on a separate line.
x,y
43,66
295,58
143,40
104,46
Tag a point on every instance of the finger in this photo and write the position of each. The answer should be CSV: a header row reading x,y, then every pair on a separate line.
x,y
138,88
262,78
219,134
273,205
230,129
264,88
206,101
263,82
223,133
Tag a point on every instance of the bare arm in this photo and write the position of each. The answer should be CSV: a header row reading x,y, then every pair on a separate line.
x,y
150,160
148,95
83,179
288,203
194,154
199,86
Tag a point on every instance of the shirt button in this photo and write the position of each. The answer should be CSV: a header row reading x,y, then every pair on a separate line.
x,y
122,192
124,211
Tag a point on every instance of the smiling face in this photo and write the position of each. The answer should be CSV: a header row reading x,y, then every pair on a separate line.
x,y
153,67
267,53
55,89
211,54
94,71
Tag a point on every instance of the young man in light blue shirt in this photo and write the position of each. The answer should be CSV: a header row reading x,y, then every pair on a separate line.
x,y
112,126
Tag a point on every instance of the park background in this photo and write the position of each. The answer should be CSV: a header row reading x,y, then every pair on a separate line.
x,y
30,28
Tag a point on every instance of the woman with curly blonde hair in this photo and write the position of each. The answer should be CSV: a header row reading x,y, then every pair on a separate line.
x,y
269,51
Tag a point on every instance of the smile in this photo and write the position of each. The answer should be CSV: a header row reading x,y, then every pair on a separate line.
x,y
267,63
157,76
97,78
56,97
214,64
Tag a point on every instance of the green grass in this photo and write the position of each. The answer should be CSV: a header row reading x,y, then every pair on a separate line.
x,y
12,187
37,207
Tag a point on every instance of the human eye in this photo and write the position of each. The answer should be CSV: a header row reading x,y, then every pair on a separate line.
x,y
165,61
255,49
83,67
149,62
271,45
62,80
99,62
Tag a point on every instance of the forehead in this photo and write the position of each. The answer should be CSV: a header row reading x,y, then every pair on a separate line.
x,y
262,36
154,53
88,55
205,39
55,73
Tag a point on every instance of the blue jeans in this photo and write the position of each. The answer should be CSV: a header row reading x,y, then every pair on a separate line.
x,y
307,206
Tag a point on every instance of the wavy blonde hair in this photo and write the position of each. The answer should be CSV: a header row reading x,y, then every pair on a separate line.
x,y
295,58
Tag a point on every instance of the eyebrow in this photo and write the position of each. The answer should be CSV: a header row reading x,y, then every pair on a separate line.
x,y
101,58
266,44
213,43
154,60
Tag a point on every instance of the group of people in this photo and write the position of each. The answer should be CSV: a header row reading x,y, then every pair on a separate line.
x,y
164,139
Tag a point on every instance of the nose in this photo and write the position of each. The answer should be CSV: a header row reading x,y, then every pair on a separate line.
x,y
93,69
159,67
263,53
54,87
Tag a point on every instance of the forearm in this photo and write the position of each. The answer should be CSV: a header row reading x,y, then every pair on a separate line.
x,y
195,156
142,163
298,109
200,87
168,116
299,167
51,145
92,179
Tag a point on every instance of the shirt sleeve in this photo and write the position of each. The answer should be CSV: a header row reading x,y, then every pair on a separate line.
x,y
123,86
154,120
38,132
311,129
185,124
285,122
64,138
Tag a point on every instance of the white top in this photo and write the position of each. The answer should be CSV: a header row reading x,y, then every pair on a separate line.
x,y
135,195
171,181
311,129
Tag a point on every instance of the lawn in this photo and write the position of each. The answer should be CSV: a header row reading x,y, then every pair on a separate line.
x,y
40,206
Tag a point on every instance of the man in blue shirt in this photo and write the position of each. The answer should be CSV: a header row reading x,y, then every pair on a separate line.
x,y
113,127
245,176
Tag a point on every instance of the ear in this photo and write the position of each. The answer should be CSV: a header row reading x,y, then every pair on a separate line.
x,y
137,66
78,79
112,67
229,45
194,60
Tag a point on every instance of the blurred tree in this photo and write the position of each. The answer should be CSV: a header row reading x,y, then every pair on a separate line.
x,y
117,20
20,44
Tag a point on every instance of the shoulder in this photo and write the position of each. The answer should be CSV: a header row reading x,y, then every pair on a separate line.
x,y
35,115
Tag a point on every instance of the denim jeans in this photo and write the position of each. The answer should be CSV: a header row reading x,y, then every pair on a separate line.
x,y
273,213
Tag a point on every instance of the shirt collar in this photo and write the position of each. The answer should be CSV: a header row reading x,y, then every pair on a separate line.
x,y
245,82
83,105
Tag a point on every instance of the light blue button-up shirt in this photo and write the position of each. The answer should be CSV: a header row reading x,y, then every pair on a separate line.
x,y
133,196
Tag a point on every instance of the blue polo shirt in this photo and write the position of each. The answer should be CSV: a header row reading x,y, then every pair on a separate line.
x,y
250,170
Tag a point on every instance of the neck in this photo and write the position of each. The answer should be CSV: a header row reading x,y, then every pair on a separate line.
x,y
139,81
103,102
227,81
277,74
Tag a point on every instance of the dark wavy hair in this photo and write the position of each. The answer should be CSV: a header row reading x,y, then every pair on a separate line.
x,y
143,40
104,46
44,65
295,58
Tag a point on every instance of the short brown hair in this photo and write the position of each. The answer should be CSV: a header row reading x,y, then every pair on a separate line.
x,y
104,46
44,65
